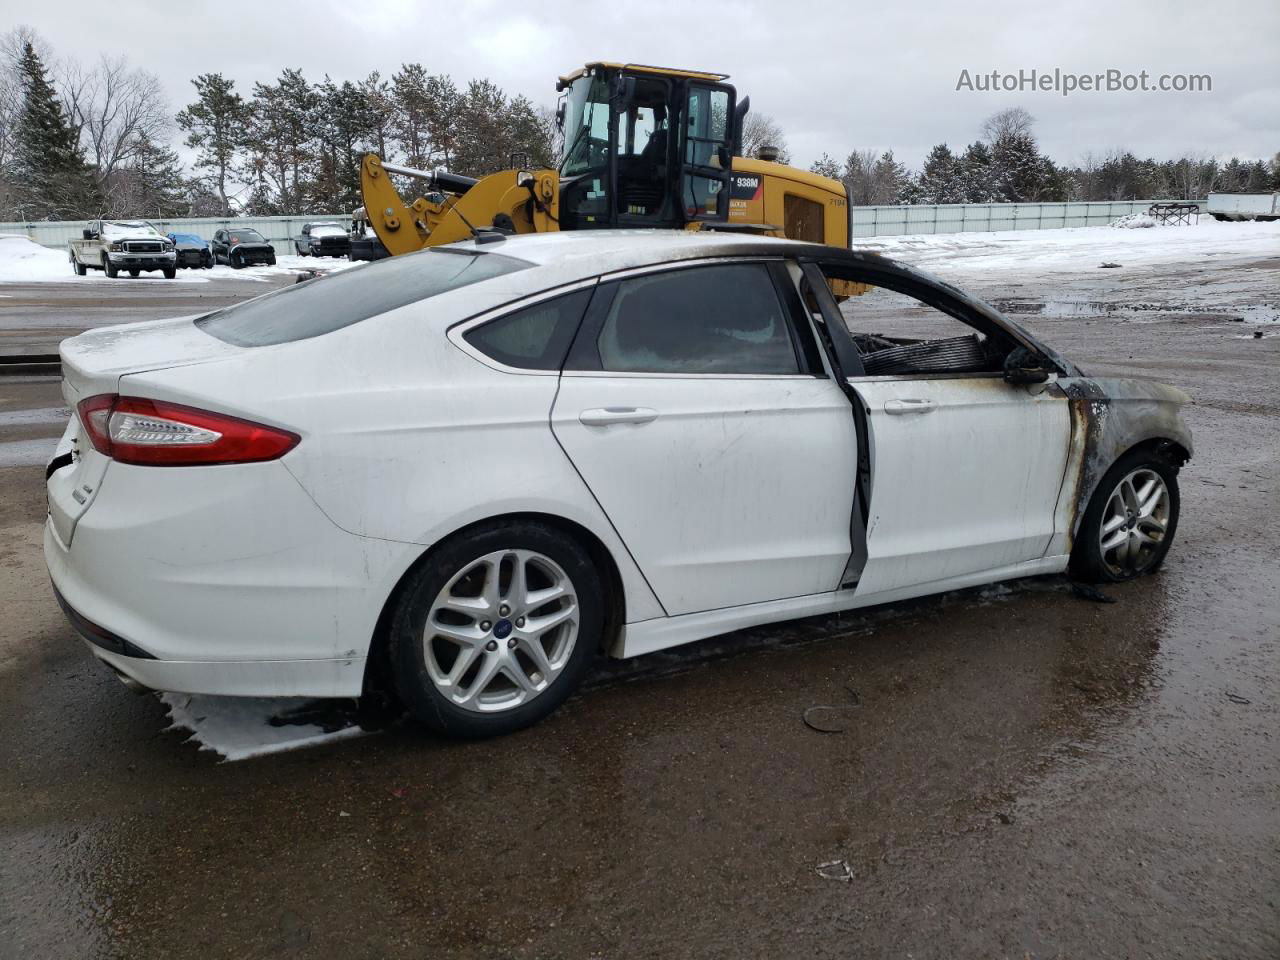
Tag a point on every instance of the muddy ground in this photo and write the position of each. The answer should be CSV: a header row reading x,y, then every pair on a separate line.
x,y
1021,772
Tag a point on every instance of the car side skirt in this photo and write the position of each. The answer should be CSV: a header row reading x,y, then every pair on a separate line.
x,y
646,636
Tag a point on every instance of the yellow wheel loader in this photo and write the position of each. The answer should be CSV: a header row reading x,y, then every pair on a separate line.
x,y
643,147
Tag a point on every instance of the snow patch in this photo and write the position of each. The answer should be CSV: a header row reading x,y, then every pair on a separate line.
x,y
1134,221
237,728
24,261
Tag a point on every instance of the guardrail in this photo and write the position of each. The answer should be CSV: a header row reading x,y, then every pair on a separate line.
x,y
30,365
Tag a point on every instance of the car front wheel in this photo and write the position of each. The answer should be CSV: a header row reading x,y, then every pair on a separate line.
x,y
1130,522
497,629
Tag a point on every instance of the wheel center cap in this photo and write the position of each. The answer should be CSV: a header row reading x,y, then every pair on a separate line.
x,y
502,629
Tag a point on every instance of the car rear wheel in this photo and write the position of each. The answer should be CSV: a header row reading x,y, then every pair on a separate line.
x,y
78,267
1130,522
497,629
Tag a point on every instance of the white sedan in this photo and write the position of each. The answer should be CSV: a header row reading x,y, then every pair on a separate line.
x,y
462,474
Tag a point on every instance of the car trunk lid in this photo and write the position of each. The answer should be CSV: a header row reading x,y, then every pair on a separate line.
x,y
92,364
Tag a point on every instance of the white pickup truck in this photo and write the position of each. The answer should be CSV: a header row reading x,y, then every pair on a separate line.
x,y
130,245
1244,206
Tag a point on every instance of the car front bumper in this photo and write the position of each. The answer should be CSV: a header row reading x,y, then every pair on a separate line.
x,y
143,261
234,584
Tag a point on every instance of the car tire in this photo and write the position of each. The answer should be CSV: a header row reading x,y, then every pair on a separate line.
x,y
301,252
110,268
134,273
170,273
235,262
79,268
1130,522
504,684
206,262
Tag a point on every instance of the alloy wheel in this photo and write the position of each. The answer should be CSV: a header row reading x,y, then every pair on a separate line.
x,y
1134,523
501,631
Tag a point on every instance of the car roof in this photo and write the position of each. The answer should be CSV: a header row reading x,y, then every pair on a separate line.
x,y
566,257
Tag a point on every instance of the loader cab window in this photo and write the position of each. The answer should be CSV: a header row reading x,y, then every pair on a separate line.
x,y
586,127
707,135
584,169
644,154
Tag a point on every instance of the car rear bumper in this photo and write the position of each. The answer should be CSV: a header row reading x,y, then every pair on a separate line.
x,y
231,582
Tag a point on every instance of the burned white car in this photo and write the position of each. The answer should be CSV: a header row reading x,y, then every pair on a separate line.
x,y
462,474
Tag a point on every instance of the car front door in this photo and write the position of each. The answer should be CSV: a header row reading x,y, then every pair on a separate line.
x,y
697,410
219,249
966,466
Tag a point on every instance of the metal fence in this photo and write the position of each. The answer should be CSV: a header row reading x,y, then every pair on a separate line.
x,y
971,217
279,231
867,221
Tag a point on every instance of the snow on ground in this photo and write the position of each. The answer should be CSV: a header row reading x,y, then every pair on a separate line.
x,y
237,728
23,261
1076,248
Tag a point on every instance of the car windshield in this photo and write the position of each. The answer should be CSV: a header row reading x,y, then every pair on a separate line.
x,y
128,226
246,236
329,303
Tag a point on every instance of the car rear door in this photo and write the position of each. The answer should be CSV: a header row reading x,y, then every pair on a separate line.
x,y
698,413
966,467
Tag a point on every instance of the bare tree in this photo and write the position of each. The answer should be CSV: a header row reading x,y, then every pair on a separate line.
x,y
761,130
116,111
1010,122
859,177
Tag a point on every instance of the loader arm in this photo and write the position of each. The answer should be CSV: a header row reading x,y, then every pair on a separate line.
x,y
515,200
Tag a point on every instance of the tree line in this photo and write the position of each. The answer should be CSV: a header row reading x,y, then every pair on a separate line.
x,y
79,142
1006,165
82,141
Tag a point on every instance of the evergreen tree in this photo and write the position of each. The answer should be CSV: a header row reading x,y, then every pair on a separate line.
x,y
941,179
52,180
977,177
215,126
150,184
825,166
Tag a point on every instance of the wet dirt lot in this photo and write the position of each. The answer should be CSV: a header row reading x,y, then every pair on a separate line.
x,y
1022,772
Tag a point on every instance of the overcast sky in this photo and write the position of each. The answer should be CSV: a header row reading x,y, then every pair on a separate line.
x,y
836,76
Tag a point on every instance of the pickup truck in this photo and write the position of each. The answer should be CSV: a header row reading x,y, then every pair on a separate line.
x,y
1244,206
130,245
322,239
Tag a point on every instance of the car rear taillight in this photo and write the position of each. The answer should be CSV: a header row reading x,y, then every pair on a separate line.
x,y
154,433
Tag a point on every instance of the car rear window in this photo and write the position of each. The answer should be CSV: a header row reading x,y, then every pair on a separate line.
x,y
323,305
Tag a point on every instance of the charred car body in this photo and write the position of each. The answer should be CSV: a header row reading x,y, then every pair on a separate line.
x,y
365,244
241,247
192,251
706,440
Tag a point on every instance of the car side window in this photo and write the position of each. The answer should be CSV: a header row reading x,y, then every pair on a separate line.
x,y
717,319
906,330
536,337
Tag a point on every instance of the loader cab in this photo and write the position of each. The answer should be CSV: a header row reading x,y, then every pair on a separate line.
x,y
644,146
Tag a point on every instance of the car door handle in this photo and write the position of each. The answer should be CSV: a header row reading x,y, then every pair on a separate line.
x,y
909,405
605,416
